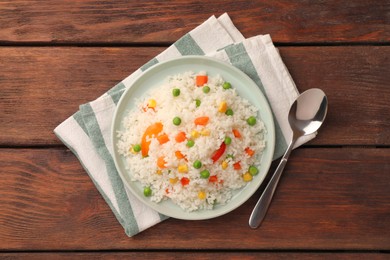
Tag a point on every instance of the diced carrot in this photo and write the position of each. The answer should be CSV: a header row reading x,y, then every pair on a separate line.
x,y
161,162
185,181
203,120
236,133
162,139
153,129
213,178
249,151
237,166
180,137
179,155
201,80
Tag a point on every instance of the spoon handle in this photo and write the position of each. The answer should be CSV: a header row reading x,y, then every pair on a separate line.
x,y
263,203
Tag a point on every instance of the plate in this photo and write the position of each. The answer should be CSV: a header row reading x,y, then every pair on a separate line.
x,y
245,87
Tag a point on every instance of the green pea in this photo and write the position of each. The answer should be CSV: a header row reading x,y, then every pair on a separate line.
x,y
206,89
204,174
253,170
197,102
228,140
197,164
251,120
147,191
176,121
190,143
175,92
229,112
226,85
137,148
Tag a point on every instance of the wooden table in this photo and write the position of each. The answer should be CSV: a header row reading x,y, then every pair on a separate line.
x,y
333,200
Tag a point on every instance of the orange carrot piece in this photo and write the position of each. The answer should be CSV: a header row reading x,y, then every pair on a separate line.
x,y
237,166
249,151
179,155
162,139
153,129
161,162
236,133
201,80
203,120
180,137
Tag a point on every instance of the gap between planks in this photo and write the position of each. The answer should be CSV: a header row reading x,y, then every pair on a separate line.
x,y
167,44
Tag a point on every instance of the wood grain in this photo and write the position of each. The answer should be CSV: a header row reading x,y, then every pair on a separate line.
x,y
52,82
194,255
149,21
328,199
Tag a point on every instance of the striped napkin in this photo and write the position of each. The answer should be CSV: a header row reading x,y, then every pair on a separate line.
x,y
87,132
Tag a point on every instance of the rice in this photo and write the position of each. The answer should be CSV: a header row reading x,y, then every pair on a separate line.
x,y
168,168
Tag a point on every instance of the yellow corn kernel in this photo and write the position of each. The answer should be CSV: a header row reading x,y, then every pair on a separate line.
x,y
194,134
205,132
159,172
131,149
224,164
173,180
247,177
152,103
201,195
222,107
182,168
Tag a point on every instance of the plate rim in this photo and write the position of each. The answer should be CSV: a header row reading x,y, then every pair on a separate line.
x,y
157,206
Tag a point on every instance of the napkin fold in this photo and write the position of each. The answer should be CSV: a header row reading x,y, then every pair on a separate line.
x,y
87,132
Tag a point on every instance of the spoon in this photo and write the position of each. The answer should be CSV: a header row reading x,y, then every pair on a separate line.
x,y
306,115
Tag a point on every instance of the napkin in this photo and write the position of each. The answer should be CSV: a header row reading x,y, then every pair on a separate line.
x,y
87,132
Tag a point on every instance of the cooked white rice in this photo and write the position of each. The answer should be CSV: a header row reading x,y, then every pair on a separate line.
x,y
168,182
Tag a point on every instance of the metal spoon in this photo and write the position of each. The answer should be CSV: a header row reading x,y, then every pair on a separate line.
x,y
306,115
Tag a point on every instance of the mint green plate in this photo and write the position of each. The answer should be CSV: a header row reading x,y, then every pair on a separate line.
x,y
244,86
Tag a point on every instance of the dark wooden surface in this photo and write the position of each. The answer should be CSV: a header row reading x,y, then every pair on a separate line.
x,y
333,200
122,21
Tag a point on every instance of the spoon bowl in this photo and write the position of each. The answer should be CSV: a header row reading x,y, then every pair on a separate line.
x,y
306,115
308,112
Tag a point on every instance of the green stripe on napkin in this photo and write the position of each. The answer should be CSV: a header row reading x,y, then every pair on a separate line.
x,y
96,136
240,59
116,92
149,64
188,46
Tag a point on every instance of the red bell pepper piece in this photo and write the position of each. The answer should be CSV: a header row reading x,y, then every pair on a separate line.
x,y
213,178
184,181
219,152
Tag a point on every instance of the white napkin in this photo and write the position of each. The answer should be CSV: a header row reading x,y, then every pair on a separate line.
x,y
87,132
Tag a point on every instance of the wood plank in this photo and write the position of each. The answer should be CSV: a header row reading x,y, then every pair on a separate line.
x,y
53,82
48,88
49,203
194,255
153,21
